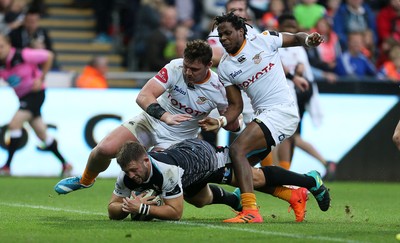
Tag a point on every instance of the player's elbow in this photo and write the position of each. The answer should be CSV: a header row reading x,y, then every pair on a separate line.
x,y
176,216
116,215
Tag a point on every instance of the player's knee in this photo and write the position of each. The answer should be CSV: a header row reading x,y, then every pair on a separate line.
x,y
198,202
258,178
235,151
104,151
115,216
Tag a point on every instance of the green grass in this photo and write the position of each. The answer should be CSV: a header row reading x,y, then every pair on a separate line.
x,y
30,211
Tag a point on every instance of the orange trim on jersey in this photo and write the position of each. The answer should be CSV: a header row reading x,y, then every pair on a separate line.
x,y
240,49
206,78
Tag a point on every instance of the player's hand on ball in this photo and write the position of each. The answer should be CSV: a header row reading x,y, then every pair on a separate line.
x,y
132,204
209,124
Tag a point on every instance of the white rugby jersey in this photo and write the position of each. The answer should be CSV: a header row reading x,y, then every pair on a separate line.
x,y
291,56
257,69
213,41
197,101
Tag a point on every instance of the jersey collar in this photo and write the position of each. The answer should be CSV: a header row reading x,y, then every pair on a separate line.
x,y
240,49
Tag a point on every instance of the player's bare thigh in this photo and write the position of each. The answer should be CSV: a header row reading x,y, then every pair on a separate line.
x,y
111,144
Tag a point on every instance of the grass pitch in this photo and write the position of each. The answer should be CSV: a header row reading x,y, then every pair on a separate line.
x,y
30,211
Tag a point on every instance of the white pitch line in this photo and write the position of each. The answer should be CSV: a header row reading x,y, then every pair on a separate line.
x,y
262,232
21,205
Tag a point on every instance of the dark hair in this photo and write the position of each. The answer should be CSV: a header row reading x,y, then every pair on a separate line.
x,y
33,10
236,21
198,50
130,151
286,16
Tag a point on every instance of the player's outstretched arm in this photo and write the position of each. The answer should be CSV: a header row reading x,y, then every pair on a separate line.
x,y
172,209
149,93
301,39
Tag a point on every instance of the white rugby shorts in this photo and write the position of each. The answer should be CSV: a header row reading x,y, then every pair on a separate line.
x,y
282,120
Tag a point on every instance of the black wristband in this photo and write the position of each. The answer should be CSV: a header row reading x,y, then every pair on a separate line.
x,y
155,110
289,76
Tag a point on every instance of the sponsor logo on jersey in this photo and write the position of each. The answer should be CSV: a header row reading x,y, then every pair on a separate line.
x,y
235,73
273,32
162,75
241,59
201,100
216,86
244,85
185,108
180,90
281,137
257,58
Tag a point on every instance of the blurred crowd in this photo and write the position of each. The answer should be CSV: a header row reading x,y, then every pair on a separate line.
x,y
150,33
155,31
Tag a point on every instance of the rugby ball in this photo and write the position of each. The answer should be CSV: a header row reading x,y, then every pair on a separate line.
x,y
148,193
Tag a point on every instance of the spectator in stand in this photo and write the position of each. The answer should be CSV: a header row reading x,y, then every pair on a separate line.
x,y
391,68
211,8
353,63
94,74
103,11
332,7
32,35
176,47
385,48
355,16
388,20
12,14
258,8
307,13
189,16
159,40
323,57
290,4
269,20
147,20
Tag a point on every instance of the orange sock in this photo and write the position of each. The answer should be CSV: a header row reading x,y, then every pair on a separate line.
x,y
267,161
284,164
249,201
88,177
283,193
